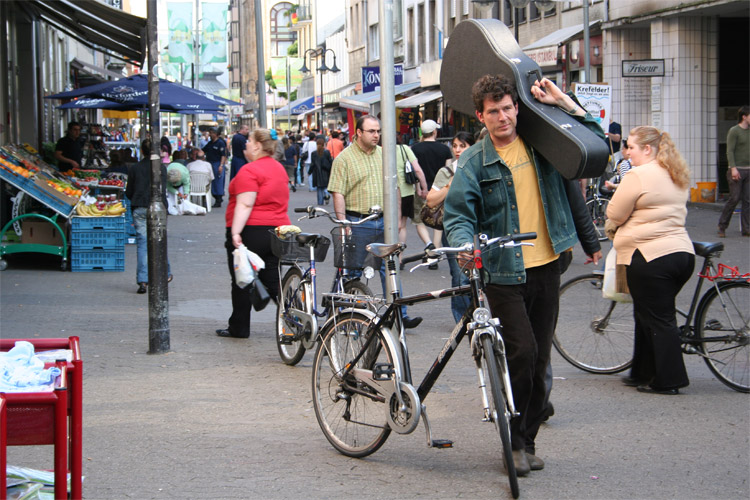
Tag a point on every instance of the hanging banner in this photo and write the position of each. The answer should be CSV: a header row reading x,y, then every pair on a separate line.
x,y
213,32
180,20
279,68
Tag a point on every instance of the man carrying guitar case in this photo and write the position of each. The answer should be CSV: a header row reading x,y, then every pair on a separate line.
x,y
513,181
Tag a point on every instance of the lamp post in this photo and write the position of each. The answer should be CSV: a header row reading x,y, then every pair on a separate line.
x,y
251,89
319,53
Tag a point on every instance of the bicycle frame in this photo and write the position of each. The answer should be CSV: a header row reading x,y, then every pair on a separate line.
x,y
401,370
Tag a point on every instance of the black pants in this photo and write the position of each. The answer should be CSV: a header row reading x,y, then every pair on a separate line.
x,y
257,239
528,313
657,354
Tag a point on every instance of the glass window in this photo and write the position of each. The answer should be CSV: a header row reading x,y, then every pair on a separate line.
x,y
282,36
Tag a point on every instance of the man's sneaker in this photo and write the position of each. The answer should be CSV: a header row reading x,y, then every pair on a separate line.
x,y
721,233
141,288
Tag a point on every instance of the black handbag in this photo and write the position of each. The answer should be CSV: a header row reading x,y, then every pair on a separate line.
x,y
409,176
259,295
433,217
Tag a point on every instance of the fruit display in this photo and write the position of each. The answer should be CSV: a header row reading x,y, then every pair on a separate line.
x,y
64,187
104,206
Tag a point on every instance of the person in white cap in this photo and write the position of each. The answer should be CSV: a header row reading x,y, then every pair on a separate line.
x,y
432,156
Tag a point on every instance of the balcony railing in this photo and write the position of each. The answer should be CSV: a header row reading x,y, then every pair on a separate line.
x,y
304,15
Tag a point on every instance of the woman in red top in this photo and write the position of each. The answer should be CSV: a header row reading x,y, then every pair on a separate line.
x,y
258,202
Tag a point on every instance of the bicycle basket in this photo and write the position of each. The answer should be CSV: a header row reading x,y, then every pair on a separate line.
x,y
350,250
289,251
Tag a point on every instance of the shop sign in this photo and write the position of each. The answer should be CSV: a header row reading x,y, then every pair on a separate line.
x,y
546,56
643,68
371,77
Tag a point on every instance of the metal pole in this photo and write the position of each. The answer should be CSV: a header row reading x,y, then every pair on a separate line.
x,y
388,114
320,111
586,44
196,67
158,300
288,95
515,22
261,69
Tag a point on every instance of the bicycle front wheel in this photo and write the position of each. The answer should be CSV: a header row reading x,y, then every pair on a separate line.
x,y
597,208
722,323
350,413
288,333
593,333
499,409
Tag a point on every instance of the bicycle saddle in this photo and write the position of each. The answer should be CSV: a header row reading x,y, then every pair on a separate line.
x,y
704,249
382,250
305,238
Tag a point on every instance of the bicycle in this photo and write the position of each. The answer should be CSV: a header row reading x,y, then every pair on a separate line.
x,y
362,382
297,313
596,205
717,324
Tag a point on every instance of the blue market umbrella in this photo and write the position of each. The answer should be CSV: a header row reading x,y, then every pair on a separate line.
x,y
133,91
98,103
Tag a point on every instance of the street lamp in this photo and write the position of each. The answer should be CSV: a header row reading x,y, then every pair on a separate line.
x,y
319,53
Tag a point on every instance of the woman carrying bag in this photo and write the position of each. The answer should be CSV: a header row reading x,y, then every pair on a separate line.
x,y
649,210
320,170
258,203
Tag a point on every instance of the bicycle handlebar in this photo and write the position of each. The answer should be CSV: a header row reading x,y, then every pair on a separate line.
x,y
429,256
314,211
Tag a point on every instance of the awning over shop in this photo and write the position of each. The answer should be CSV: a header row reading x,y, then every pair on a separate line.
x,y
93,70
362,102
296,107
301,116
544,50
94,23
419,99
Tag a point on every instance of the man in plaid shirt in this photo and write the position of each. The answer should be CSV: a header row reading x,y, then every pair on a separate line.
x,y
356,184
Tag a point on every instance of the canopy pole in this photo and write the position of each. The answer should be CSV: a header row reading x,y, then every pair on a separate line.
x,y
158,300
262,118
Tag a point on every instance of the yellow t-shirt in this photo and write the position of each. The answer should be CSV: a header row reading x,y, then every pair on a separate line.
x,y
529,199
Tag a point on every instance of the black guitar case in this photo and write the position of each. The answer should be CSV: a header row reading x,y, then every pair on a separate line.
x,y
478,47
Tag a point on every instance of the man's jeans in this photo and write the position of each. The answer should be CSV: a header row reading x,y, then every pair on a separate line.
x,y
379,226
140,221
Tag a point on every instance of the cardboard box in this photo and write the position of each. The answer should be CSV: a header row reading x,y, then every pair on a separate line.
x,y
40,232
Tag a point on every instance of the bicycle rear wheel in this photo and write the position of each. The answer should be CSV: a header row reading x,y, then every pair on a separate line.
x,y
593,333
499,408
597,208
725,317
290,297
351,414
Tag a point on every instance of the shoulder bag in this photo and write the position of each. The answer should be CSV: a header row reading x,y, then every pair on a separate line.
x,y
433,217
409,176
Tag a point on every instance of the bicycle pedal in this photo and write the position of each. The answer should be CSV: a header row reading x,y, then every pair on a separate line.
x,y
441,443
382,371
286,339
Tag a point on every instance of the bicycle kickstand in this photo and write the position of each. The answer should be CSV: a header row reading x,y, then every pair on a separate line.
x,y
433,443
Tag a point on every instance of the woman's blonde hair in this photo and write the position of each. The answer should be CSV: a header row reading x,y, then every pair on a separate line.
x,y
667,154
263,137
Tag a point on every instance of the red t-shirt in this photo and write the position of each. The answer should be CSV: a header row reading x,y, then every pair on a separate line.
x,y
269,179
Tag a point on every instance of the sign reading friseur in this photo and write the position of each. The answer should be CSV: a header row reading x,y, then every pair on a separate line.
x,y
643,67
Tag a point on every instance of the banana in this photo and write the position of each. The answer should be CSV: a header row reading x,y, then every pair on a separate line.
x,y
86,211
79,210
95,211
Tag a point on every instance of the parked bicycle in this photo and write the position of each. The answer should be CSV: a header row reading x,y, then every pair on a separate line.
x,y
362,381
597,334
597,201
297,312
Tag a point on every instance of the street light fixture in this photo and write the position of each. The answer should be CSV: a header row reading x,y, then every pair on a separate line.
x,y
319,53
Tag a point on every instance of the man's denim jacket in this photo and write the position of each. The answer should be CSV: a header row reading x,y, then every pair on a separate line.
x,y
482,199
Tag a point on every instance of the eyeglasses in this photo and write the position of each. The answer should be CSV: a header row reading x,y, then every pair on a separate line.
x,y
373,131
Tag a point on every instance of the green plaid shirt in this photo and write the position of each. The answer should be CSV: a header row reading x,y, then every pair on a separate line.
x,y
358,176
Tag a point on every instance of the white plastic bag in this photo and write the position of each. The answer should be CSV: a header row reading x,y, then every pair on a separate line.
x,y
609,286
246,266
190,208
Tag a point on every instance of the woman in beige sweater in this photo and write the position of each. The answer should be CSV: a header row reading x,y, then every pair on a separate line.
x,y
649,210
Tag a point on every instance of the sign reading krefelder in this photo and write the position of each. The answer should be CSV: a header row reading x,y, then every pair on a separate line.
x,y
643,67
